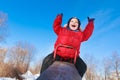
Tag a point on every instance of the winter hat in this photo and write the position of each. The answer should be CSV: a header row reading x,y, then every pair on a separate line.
x,y
79,23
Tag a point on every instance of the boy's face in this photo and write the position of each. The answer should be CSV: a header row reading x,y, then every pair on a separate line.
x,y
73,25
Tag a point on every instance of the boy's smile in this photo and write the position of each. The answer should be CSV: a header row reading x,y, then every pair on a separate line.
x,y
73,25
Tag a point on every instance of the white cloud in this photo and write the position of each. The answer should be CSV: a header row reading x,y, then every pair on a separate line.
x,y
105,20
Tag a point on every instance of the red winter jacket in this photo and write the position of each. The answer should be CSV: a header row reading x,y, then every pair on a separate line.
x,y
70,38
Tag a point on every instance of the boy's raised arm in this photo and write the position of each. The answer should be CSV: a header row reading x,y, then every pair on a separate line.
x,y
88,30
57,23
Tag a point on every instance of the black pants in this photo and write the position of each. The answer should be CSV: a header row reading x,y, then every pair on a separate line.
x,y
80,65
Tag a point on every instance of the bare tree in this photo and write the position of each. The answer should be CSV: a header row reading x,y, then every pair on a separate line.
x,y
3,26
21,55
36,68
115,59
107,68
91,73
112,67
3,52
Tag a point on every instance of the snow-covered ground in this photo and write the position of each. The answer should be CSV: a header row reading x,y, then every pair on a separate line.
x,y
27,76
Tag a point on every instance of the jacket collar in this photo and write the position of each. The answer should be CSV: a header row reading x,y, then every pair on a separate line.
x,y
72,30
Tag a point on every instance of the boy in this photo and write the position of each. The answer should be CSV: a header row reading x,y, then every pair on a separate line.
x,y
68,43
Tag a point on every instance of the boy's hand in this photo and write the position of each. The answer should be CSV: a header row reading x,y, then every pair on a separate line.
x,y
61,14
90,19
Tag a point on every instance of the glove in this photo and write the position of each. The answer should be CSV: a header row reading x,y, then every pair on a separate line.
x,y
61,14
90,19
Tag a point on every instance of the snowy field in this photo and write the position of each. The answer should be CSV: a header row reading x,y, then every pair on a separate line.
x,y
27,76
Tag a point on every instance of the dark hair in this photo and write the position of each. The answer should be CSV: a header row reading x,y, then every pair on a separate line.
x,y
79,23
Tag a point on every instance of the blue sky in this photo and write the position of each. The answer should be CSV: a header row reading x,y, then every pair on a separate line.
x,y
32,20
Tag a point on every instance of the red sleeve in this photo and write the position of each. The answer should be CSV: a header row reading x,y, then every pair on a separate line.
x,y
88,31
57,24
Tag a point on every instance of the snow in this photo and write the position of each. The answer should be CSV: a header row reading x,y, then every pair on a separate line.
x,y
27,76
3,78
